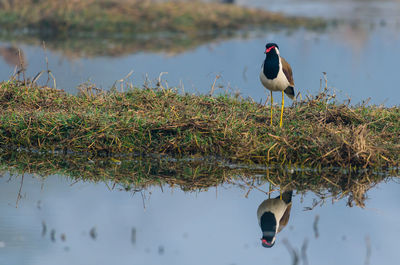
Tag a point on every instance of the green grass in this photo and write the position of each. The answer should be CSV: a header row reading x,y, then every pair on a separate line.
x,y
317,132
87,46
138,173
110,17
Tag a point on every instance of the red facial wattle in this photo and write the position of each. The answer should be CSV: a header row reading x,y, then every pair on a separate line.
x,y
265,242
269,49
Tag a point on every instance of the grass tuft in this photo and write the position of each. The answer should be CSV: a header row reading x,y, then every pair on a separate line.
x,y
137,173
317,131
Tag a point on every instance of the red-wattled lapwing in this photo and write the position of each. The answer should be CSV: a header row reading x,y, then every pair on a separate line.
x,y
273,215
276,75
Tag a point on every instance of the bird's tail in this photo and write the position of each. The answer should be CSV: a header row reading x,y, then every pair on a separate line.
x,y
287,196
289,91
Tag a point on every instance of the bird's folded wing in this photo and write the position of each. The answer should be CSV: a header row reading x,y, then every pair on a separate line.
x,y
287,70
285,218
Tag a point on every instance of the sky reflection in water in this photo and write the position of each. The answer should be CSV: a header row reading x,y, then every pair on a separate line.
x,y
214,227
360,60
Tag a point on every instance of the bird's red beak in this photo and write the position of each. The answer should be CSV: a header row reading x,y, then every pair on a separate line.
x,y
269,49
265,242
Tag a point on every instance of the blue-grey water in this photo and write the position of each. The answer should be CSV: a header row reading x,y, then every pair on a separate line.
x,y
350,10
359,55
172,227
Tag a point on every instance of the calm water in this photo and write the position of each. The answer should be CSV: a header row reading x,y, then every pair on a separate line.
x,y
172,227
359,56
351,10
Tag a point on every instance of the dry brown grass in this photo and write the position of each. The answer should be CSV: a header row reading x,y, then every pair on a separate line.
x,y
137,173
79,47
99,17
317,132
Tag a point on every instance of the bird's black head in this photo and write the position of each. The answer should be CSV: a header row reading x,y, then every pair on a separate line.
x,y
268,228
270,47
268,241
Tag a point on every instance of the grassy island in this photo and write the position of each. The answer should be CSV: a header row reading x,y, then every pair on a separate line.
x,y
130,17
117,27
317,131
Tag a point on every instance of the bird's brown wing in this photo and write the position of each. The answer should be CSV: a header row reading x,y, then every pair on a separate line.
x,y
287,70
285,218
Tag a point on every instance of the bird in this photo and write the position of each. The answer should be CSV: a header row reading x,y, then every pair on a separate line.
x,y
276,75
273,215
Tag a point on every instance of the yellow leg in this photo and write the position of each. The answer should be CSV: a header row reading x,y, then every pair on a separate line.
x,y
283,103
269,190
272,102
280,191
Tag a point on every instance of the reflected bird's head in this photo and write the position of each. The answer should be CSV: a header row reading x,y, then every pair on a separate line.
x,y
268,239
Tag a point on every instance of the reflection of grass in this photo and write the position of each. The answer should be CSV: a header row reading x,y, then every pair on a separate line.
x,y
137,173
118,46
316,132
97,17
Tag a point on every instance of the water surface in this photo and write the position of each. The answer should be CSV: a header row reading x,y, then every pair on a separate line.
x,y
359,55
218,226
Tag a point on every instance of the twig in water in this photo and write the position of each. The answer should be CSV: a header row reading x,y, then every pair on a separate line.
x,y
309,208
21,65
213,85
44,228
244,73
93,233
182,86
133,236
293,253
315,226
304,252
53,235
47,62
19,192
54,79
49,73
368,253
121,81
143,199
159,83
36,77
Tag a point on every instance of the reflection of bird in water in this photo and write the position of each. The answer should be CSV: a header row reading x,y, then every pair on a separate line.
x,y
273,215
13,56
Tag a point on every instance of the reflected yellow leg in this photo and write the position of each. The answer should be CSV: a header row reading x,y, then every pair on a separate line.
x,y
272,102
280,191
283,103
269,191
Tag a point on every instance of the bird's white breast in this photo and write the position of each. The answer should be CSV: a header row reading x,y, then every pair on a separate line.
x,y
279,83
275,206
